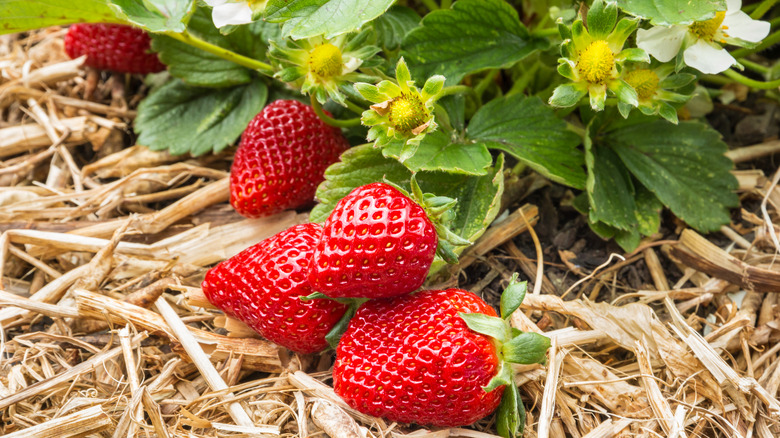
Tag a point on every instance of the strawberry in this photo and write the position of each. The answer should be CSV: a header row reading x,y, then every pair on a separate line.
x,y
116,47
261,286
281,159
412,359
377,243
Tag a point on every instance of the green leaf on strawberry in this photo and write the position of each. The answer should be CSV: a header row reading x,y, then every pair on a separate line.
x,y
156,15
184,119
308,18
19,16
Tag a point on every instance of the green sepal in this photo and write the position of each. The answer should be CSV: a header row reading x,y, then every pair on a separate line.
x,y
676,81
624,29
446,251
432,87
624,92
370,92
487,325
567,95
563,29
513,296
334,335
633,55
315,296
625,109
503,377
510,419
527,348
668,112
602,17
402,74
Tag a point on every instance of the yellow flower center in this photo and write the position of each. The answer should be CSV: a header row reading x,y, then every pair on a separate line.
x,y
407,112
644,81
325,61
596,62
706,29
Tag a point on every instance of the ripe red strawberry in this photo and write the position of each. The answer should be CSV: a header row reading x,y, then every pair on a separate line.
x,y
116,47
377,243
261,286
412,359
282,158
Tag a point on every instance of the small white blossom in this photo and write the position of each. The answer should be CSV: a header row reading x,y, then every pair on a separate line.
x,y
702,40
226,12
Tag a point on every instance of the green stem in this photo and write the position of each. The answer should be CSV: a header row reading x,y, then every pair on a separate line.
x,y
430,4
454,89
756,67
714,79
355,108
762,9
315,104
771,85
188,38
522,83
768,42
446,4
485,82
542,33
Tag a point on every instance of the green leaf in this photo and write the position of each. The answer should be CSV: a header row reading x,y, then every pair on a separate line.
x,y
567,95
479,197
185,119
308,18
648,211
610,190
513,296
602,17
683,165
529,130
22,15
474,35
668,12
157,15
199,68
526,348
437,151
486,325
510,420
393,25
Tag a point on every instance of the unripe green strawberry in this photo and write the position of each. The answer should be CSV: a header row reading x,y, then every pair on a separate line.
x,y
262,286
413,359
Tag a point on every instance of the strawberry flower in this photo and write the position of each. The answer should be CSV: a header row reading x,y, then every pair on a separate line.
x,y
653,88
235,12
593,58
701,41
319,66
400,111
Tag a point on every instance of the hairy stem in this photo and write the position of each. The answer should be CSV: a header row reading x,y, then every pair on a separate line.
x,y
315,104
223,53
771,85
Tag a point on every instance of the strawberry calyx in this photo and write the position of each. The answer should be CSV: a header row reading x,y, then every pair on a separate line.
x,y
334,335
512,346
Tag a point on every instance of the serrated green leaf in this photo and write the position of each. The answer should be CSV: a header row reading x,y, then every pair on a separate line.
x,y
529,130
526,348
22,15
157,15
393,25
610,190
308,18
184,119
474,35
510,420
683,165
648,211
668,12
199,68
438,152
486,325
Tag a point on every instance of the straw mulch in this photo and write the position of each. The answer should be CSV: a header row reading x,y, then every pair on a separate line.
x,y
104,330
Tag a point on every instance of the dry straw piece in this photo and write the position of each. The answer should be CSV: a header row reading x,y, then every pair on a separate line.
x,y
104,330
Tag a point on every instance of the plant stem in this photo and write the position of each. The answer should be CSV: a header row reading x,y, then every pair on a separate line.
x,y
315,104
446,4
756,67
550,31
520,85
188,38
485,82
752,83
355,108
454,89
430,4
762,9
768,42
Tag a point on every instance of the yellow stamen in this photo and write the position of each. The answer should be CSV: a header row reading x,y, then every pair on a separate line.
x,y
407,112
706,29
596,62
325,61
644,81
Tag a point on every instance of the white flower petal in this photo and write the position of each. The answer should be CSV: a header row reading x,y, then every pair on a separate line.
x,y
214,3
739,25
231,13
351,64
733,6
662,42
708,59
